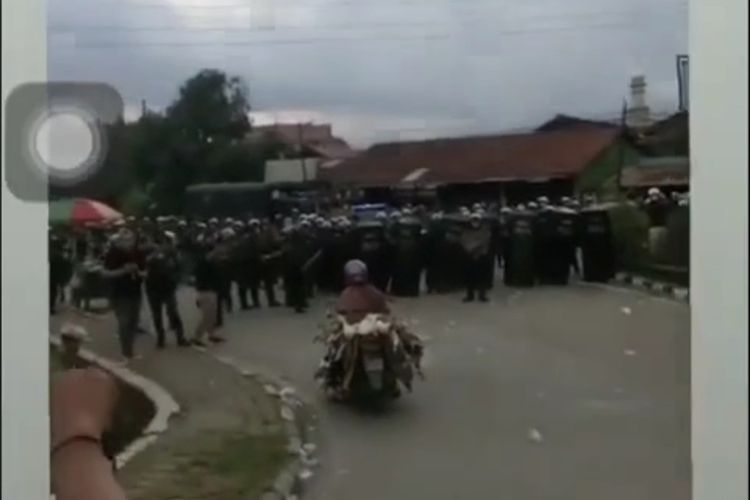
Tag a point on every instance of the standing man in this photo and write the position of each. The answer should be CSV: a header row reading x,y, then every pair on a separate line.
x,y
162,276
476,245
409,259
253,264
124,267
435,252
294,256
269,244
206,280
56,271
225,238
245,258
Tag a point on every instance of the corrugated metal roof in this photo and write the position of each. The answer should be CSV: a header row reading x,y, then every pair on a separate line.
x,y
526,157
677,162
415,175
657,172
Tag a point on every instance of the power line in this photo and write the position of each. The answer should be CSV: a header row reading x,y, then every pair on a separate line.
x,y
312,40
619,14
555,16
248,29
245,43
325,3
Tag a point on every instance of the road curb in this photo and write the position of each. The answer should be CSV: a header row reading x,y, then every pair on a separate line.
x,y
681,294
165,405
288,484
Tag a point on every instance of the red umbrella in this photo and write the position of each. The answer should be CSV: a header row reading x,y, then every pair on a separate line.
x,y
79,211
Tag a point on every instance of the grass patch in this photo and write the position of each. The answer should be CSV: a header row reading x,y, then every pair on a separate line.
x,y
251,462
219,466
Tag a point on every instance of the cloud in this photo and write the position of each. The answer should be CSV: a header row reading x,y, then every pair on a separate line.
x,y
383,69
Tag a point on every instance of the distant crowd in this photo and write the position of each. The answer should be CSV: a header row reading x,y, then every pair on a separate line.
x,y
238,262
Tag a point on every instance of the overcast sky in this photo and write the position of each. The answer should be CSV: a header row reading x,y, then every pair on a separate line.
x,y
382,70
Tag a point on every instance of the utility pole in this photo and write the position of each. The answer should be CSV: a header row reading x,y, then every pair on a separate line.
x,y
621,146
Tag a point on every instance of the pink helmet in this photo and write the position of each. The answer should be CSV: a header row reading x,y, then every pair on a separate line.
x,y
355,272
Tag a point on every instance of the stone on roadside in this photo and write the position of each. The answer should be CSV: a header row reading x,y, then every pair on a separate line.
x,y
287,392
309,447
535,436
287,414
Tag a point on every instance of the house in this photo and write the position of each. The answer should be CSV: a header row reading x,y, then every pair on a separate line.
x,y
566,122
507,168
667,137
668,173
657,154
662,160
305,148
306,139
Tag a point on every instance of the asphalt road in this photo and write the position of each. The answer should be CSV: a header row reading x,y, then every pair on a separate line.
x,y
572,393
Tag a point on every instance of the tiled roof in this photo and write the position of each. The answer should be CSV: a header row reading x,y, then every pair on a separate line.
x,y
533,156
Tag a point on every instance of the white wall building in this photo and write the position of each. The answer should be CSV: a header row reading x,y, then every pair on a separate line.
x,y
292,170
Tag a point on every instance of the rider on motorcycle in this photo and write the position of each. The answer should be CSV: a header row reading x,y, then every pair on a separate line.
x,y
359,298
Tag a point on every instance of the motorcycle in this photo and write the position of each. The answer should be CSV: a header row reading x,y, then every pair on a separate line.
x,y
369,359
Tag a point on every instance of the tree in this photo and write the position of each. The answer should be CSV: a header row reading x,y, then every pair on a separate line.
x,y
211,105
201,137
234,162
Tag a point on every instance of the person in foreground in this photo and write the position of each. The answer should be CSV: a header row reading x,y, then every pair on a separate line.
x,y
82,405
359,298
124,267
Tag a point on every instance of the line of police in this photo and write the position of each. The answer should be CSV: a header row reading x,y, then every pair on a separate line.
x,y
536,243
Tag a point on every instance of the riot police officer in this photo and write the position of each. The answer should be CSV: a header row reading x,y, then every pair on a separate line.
x,y
409,259
162,277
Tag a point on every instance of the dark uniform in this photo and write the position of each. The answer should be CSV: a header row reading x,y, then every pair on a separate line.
x,y
478,260
295,254
324,266
224,281
597,246
435,258
409,260
519,261
451,253
545,248
163,274
337,250
269,245
495,251
567,224
248,263
375,252
503,233
57,267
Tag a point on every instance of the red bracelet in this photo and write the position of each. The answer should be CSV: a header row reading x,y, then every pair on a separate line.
x,y
72,439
